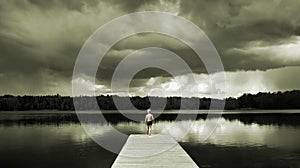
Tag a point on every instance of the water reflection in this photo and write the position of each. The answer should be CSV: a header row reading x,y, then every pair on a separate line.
x,y
281,118
28,141
50,146
236,133
230,133
227,132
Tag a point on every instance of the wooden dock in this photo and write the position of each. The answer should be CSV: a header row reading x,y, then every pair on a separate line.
x,y
154,151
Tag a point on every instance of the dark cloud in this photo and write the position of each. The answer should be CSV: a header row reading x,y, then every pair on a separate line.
x,y
297,31
40,40
126,46
64,4
131,5
234,24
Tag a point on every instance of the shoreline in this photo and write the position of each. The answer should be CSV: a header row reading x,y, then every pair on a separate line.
x,y
184,111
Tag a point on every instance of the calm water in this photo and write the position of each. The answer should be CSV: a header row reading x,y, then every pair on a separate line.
x,y
56,139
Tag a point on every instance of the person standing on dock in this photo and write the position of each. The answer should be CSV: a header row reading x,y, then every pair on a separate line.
x,y
149,121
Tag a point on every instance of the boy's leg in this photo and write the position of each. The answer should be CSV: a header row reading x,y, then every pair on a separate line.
x,y
150,128
147,130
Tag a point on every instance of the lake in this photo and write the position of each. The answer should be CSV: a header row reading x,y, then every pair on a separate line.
x,y
241,139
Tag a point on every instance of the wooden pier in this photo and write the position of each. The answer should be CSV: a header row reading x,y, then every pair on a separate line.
x,y
154,151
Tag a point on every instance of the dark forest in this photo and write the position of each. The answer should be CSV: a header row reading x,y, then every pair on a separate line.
x,y
278,100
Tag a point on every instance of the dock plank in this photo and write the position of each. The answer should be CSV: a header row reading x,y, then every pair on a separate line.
x,y
154,151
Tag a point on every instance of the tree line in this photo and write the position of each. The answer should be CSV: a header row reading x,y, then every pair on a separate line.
x,y
278,100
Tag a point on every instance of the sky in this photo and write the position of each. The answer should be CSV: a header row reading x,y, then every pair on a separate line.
x,y
258,42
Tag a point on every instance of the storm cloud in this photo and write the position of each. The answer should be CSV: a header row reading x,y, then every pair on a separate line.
x,y
40,41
